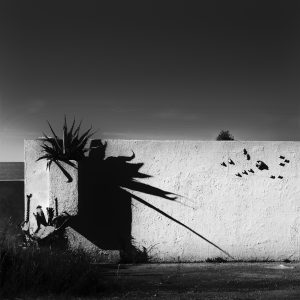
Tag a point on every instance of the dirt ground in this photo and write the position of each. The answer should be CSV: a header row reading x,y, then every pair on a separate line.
x,y
205,281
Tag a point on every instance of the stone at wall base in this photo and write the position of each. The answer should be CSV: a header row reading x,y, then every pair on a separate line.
x,y
76,241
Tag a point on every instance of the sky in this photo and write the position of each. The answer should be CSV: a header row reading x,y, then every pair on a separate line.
x,y
149,69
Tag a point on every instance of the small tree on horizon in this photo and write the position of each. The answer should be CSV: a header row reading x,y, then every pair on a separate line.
x,y
225,135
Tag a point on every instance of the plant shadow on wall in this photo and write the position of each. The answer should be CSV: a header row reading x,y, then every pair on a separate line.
x,y
105,212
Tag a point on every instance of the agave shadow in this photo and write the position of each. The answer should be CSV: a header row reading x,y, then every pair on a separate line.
x,y
105,200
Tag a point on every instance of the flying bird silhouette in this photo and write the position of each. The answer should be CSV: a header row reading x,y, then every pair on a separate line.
x,y
273,177
238,174
231,162
282,157
280,176
251,171
245,172
261,165
286,161
282,164
223,164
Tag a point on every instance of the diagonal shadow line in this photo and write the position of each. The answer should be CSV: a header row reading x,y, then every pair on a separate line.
x,y
148,189
66,173
178,222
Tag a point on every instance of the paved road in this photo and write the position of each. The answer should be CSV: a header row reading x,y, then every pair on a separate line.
x,y
206,281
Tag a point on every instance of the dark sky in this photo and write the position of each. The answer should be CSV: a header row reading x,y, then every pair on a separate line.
x,y
149,69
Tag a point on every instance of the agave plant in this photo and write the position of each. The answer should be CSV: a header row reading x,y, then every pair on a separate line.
x,y
72,146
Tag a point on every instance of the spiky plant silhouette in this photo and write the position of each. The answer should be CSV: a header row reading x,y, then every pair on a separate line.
x,y
72,146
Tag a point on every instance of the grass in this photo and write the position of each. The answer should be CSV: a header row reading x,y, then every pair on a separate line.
x,y
216,260
36,272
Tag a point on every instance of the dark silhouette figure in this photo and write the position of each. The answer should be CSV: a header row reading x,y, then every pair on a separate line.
x,y
272,176
231,162
282,157
40,217
245,172
238,175
261,165
251,171
223,164
246,154
282,164
28,197
286,161
280,177
105,200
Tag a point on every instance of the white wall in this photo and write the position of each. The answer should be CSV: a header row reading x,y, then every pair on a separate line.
x,y
45,185
36,179
252,217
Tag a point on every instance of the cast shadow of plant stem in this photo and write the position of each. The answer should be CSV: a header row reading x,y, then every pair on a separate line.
x,y
105,212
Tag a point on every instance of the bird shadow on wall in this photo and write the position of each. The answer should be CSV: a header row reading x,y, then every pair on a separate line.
x,y
105,202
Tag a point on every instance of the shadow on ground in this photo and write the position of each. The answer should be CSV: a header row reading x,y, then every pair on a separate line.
x,y
207,281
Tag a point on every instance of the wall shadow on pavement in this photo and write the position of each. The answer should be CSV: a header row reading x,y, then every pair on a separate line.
x,y
105,212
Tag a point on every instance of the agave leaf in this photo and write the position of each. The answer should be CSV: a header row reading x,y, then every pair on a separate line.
x,y
70,163
71,147
66,173
65,135
46,136
86,136
54,134
43,157
70,134
76,133
49,163
49,150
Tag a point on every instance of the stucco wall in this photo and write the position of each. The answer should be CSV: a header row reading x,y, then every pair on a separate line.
x,y
64,191
250,217
46,185
36,180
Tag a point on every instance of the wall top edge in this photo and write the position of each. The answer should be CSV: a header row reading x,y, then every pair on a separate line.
x,y
168,141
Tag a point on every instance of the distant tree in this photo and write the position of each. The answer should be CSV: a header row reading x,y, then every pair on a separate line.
x,y
225,135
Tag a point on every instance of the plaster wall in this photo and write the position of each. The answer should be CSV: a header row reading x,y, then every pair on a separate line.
x,y
36,180
250,217
47,185
65,192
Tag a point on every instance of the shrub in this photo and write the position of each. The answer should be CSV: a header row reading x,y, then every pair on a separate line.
x,y
32,271
225,135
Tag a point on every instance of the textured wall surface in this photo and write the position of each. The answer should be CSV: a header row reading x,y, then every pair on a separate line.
x,y
255,216
242,196
65,192
36,179
46,185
